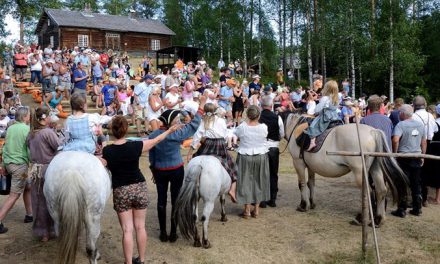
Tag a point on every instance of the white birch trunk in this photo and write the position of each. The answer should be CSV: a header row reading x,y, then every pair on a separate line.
x,y
309,46
391,54
221,40
353,70
260,48
244,62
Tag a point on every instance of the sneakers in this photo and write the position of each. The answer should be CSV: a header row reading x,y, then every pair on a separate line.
x,y
28,219
3,229
399,213
271,203
137,261
415,212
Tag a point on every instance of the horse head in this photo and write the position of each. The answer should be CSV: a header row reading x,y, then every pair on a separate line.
x,y
290,120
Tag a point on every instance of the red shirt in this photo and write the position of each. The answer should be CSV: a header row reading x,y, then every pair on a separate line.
x,y
103,59
20,59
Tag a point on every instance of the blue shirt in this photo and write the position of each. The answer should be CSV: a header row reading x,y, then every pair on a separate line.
x,y
227,92
381,122
255,86
84,59
345,111
166,155
109,93
80,74
97,72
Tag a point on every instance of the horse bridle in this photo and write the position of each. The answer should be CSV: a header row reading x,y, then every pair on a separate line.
x,y
300,121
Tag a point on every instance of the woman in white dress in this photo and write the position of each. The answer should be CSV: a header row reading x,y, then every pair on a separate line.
x,y
154,107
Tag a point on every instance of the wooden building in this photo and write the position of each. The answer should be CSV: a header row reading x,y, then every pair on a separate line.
x,y
65,28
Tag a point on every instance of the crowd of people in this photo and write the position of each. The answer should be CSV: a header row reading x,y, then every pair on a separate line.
x,y
170,106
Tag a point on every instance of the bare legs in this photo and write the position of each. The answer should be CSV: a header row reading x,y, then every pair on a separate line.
x,y
133,220
12,199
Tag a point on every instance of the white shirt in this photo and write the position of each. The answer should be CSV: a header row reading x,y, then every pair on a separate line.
x,y
324,102
209,100
311,105
4,124
173,98
428,122
217,129
276,144
252,139
37,66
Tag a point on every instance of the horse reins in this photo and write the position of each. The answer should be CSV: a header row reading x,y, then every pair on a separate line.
x,y
300,121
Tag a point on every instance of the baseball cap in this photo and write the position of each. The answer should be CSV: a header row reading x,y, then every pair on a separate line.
x,y
148,76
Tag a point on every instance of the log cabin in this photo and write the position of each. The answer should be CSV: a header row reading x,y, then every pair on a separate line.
x,y
66,28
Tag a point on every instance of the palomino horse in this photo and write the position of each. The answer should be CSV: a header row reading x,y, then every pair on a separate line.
x,y
205,178
76,188
382,171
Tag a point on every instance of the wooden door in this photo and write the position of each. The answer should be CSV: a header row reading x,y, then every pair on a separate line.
x,y
113,41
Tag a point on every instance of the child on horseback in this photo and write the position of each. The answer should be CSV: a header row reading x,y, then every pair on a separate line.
x,y
211,135
327,111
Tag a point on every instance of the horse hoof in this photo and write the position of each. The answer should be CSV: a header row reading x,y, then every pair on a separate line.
x,y
197,243
224,219
312,206
301,209
206,244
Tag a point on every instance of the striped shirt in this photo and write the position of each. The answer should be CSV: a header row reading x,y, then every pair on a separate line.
x,y
381,122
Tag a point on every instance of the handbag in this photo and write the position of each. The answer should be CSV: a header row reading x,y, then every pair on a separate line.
x,y
5,184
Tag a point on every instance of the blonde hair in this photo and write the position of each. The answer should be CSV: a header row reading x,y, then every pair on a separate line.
x,y
209,116
331,90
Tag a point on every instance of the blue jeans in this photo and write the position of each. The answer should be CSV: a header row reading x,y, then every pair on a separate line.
x,y
47,86
96,79
36,75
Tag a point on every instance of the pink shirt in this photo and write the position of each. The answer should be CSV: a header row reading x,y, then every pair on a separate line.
x,y
187,93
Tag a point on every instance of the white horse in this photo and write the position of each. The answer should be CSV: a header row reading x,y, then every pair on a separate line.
x,y
382,171
76,188
205,178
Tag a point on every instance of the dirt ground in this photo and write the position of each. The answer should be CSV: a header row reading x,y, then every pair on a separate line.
x,y
279,235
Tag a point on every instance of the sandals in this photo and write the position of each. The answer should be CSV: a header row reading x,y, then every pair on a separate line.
x,y
245,216
230,148
254,214
232,198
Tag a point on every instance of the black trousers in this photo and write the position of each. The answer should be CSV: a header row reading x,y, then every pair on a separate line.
x,y
412,168
174,178
274,163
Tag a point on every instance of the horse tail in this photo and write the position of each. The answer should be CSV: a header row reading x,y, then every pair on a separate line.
x,y
72,207
185,213
393,174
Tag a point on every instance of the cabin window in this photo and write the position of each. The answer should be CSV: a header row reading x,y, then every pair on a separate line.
x,y
83,41
155,44
48,22
51,40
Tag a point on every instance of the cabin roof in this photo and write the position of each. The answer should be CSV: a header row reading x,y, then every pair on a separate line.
x,y
81,19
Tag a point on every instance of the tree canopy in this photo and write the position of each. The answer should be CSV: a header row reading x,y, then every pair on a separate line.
x,y
381,46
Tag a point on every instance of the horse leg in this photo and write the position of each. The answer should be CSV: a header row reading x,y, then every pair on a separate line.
x,y
93,227
301,171
311,185
197,242
222,204
209,206
381,192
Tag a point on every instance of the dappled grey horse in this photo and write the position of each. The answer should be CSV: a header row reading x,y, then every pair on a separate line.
x,y
76,188
205,178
